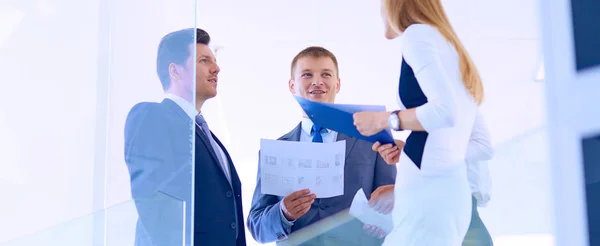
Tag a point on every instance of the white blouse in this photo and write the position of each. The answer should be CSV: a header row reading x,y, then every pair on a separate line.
x,y
456,131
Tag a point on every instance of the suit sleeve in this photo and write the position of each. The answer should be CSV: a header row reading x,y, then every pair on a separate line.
x,y
265,220
420,51
384,174
159,184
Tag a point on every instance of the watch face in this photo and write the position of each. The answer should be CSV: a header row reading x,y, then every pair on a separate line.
x,y
393,122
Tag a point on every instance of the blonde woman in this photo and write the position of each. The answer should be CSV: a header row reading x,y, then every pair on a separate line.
x,y
439,93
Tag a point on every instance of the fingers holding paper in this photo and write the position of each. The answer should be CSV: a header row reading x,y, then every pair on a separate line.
x,y
382,199
374,231
295,205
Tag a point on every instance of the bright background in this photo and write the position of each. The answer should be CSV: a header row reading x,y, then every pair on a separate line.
x,y
72,69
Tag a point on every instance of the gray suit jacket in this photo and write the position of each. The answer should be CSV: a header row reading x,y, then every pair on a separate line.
x,y
364,169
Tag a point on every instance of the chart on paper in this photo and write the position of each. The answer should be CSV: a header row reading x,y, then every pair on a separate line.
x,y
288,166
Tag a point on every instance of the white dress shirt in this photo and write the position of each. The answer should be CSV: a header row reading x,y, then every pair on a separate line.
x,y
329,136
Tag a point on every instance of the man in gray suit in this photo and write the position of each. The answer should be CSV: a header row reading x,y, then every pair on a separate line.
x,y
314,76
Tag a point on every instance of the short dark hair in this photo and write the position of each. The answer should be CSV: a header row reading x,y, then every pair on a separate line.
x,y
316,52
174,48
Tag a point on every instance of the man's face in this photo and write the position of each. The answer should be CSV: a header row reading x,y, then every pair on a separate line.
x,y
315,79
207,72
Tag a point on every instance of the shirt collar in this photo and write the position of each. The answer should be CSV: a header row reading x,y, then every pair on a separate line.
x,y
187,107
307,125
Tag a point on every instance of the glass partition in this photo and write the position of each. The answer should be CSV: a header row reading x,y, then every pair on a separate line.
x,y
75,147
149,141
339,229
121,220
525,198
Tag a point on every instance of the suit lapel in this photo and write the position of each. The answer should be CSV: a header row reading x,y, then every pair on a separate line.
x,y
204,139
233,172
294,135
350,142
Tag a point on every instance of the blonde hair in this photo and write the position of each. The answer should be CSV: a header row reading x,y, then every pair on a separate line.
x,y
402,13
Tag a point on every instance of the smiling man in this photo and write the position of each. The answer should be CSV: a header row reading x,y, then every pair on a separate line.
x,y
314,76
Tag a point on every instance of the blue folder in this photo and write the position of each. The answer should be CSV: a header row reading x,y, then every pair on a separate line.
x,y
338,117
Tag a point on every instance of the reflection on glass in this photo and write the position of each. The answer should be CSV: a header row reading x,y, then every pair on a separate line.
x,y
171,151
158,147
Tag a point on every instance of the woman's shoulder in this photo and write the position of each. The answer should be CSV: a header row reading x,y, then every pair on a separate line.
x,y
421,33
422,36
416,29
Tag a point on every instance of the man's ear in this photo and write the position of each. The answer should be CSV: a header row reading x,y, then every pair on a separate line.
x,y
292,86
174,72
339,83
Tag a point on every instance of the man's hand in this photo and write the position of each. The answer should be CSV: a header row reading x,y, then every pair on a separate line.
x,y
389,153
297,204
374,231
382,199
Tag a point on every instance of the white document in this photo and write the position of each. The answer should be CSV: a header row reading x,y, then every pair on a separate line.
x,y
366,214
289,166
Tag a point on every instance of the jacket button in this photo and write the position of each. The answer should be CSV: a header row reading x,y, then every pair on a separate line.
x,y
228,194
233,225
322,206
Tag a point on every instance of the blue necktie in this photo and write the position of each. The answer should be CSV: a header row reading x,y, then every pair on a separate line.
x,y
316,132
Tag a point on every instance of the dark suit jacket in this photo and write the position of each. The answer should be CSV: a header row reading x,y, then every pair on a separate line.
x,y
159,138
364,169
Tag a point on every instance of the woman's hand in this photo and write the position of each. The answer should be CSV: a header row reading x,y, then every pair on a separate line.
x,y
374,231
389,153
382,199
371,123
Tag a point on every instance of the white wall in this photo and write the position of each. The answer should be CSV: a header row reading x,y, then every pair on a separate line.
x,y
47,62
260,39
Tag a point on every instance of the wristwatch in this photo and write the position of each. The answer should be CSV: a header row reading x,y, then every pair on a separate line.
x,y
394,121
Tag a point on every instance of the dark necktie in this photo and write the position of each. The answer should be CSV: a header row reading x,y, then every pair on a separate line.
x,y
204,126
316,133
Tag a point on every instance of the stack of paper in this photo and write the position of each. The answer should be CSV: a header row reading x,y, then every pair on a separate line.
x,y
289,166
366,214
